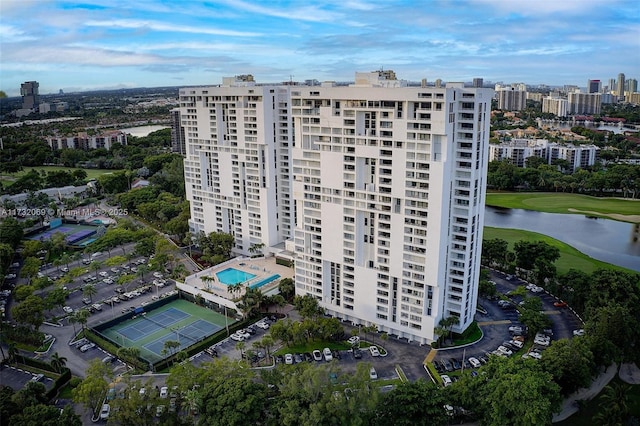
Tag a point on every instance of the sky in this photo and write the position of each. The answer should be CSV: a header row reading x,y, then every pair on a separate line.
x,y
108,44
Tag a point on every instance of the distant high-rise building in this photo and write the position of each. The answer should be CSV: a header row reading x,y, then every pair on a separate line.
x,y
555,105
620,85
584,103
632,85
30,94
177,133
612,85
511,99
594,86
478,82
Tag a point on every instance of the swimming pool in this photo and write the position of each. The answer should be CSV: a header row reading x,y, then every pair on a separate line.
x,y
265,281
233,276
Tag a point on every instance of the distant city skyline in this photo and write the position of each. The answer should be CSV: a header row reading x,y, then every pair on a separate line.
x,y
109,44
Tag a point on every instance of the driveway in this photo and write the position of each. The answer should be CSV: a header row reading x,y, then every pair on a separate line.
x,y
495,324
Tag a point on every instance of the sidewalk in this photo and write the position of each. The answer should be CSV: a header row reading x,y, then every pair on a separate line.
x,y
630,373
570,406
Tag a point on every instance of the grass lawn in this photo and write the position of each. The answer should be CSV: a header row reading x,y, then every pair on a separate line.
x,y
570,258
91,173
551,202
591,408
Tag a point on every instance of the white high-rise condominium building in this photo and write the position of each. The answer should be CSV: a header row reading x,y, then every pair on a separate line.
x,y
237,164
377,187
389,191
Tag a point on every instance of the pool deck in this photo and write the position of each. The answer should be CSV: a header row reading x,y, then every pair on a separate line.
x,y
261,267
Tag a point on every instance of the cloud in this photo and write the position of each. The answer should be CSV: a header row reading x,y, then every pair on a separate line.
x,y
161,26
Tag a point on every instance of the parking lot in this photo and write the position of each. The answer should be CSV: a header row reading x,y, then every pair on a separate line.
x,y
17,378
496,322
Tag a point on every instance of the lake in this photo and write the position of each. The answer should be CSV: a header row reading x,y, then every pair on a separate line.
x,y
607,240
141,131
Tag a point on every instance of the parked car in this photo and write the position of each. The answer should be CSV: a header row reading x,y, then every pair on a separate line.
x,y
68,309
357,353
504,350
104,413
159,410
373,375
475,363
263,325
164,392
86,347
237,337
455,363
446,364
353,340
288,359
374,351
446,380
560,304
328,356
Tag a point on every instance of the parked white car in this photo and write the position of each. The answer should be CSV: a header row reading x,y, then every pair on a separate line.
x,y
353,340
374,351
164,392
475,363
446,380
104,413
504,350
263,325
327,354
68,309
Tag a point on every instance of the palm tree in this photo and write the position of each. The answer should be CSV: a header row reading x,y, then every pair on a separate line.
x,y
267,342
614,405
240,347
82,316
12,350
89,291
58,362
95,266
72,319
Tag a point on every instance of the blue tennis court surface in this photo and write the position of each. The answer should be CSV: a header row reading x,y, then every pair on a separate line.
x,y
187,336
149,324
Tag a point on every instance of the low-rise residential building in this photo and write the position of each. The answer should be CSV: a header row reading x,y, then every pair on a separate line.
x,y
85,141
519,150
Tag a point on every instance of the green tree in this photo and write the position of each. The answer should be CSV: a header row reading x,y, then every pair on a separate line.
x,y
498,401
30,268
29,312
89,290
571,363
287,288
95,266
413,403
58,362
22,292
614,405
11,231
56,297
308,306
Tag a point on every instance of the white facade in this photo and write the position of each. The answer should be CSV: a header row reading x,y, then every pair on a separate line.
x,y
237,165
518,150
557,106
84,141
389,186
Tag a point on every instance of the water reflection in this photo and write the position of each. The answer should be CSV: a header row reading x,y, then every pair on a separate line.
x,y
603,239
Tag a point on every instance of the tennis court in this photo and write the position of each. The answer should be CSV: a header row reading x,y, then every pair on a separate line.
x,y
179,320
